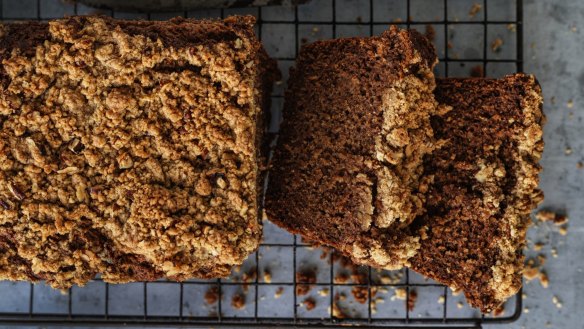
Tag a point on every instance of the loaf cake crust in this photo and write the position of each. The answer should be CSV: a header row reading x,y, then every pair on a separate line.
x,y
483,186
130,149
346,169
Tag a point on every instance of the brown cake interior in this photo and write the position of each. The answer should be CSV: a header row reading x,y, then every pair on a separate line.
x,y
356,127
483,186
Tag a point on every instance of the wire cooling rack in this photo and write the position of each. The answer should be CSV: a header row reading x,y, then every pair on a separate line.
x,y
482,37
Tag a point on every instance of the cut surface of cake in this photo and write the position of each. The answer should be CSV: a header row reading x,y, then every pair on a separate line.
x,y
356,126
130,149
484,180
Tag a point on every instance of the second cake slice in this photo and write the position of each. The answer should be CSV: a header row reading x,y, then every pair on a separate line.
x,y
356,126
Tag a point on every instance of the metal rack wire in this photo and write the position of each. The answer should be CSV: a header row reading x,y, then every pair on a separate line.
x,y
181,304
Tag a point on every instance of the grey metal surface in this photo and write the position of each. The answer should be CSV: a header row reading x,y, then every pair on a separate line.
x,y
554,51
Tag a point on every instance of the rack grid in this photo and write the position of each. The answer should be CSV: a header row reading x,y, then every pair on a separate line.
x,y
463,38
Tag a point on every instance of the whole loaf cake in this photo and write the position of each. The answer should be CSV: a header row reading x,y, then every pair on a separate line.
x,y
130,149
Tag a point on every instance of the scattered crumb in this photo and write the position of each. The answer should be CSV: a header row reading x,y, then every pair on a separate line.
x,y
430,32
390,279
360,294
279,292
526,310
524,295
341,296
412,300
399,293
267,276
570,104
455,292
212,295
574,29
338,311
579,165
547,216
563,230
499,311
475,9
543,279
324,292
341,278
247,278
537,246
557,302
541,259
305,280
309,303
441,300
568,151
359,278
496,45
554,252
238,301
477,71
512,27
530,272
459,305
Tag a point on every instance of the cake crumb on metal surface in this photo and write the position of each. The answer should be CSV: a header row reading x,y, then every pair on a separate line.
x,y
279,292
238,301
399,293
499,311
475,9
543,279
496,45
309,303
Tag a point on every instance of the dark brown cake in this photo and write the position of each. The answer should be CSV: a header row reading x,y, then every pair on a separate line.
x,y
346,170
483,186
130,148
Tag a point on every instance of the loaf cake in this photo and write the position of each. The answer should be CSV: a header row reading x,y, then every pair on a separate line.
x,y
347,168
483,186
130,149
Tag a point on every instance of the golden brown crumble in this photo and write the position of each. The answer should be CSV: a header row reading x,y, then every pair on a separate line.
x,y
129,156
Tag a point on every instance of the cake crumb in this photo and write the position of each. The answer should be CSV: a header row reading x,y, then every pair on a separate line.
x,y
309,303
563,230
499,311
557,302
323,292
475,9
238,301
459,305
412,299
537,246
570,104
554,252
496,45
477,71
441,300
512,27
568,151
341,278
543,279
550,216
541,259
526,310
279,292
530,272
579,165
305,279
212,295
430,32
399,293
267,276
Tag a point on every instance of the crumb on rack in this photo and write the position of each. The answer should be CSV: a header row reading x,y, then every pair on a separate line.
x,y
441,299
305,279
279,292
430,32
324,292
554,252
399,293
412,300
475,9
541,259
538,246
247,278
580,165
459,305
512,27
477,71
267,276
563,230
341,278
212,295
238,301
570,104
557,302
309,303
550,216
543,279
499,311
568,151
496,45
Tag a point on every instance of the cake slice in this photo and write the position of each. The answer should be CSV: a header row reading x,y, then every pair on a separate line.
x,y
483,186
130,149
356,126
